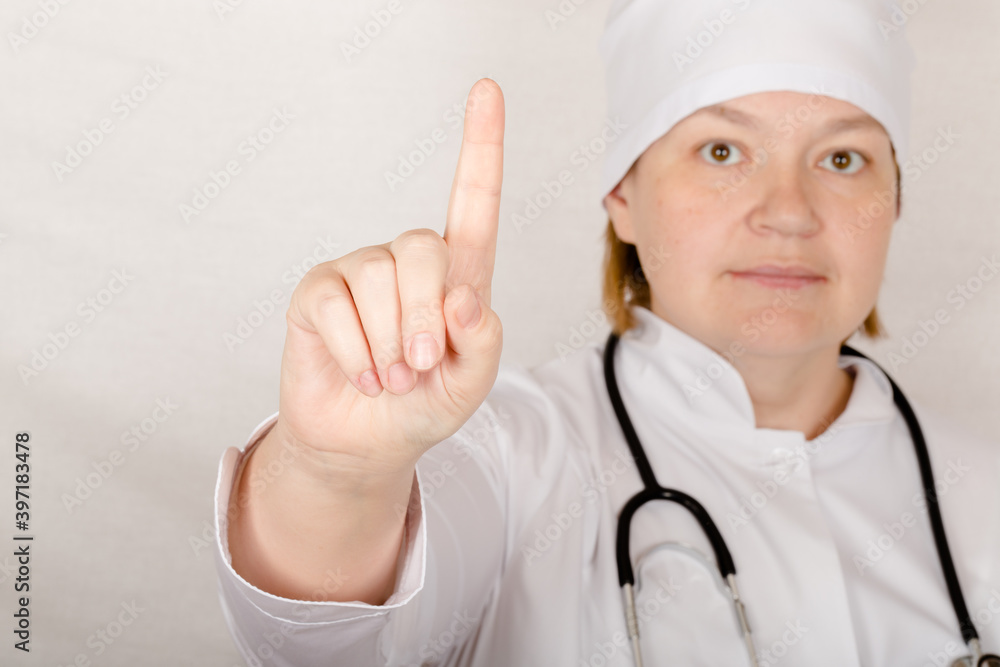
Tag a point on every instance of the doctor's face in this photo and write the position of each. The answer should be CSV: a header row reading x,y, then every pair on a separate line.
x,y
763,221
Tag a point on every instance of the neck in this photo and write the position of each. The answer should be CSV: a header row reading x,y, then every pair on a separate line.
x,y
796,393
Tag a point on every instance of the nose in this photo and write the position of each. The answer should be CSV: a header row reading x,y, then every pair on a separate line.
x,y
785,205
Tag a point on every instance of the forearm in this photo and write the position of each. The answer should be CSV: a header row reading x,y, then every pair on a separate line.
x,y
304,529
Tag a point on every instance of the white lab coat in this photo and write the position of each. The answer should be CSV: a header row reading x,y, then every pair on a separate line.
x,y
509,555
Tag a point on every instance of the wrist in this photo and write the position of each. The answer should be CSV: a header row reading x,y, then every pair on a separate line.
x,y
282,452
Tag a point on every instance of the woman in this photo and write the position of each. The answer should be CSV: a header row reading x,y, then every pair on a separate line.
x,y
412,502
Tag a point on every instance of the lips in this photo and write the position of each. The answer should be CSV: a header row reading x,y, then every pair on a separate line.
x,y
789,271
771,275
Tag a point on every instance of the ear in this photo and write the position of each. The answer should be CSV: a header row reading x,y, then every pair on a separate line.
x,y
617,204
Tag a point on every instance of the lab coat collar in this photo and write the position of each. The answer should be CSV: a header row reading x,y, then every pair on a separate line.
x,y
674,368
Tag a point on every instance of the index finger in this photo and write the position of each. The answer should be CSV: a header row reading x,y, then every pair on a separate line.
x,y
474,205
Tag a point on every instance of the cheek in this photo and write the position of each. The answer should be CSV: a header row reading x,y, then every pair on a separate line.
x,y
866,226
672,237
686,222
860,253
868,206
859,227
677,256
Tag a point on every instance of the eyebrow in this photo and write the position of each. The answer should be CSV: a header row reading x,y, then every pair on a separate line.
x,y
840,125
732,115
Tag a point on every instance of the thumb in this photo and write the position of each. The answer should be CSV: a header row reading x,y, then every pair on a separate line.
x,y
475,335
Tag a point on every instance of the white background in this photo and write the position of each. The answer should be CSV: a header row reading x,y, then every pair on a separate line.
x,y
135,538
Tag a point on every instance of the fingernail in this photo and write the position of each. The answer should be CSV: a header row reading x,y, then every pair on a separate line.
x,y
423,350
468,312
400,377
369,383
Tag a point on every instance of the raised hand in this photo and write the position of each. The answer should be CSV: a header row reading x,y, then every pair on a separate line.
x,y
391,348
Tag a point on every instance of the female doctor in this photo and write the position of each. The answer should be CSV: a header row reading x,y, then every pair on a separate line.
x,y
415,503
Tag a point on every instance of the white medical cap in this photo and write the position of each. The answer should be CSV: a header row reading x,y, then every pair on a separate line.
x,y
665,59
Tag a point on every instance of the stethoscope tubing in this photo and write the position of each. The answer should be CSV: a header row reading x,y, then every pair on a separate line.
x,y
652,490
930,493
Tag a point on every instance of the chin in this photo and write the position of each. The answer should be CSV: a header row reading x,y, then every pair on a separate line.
x,y
790,333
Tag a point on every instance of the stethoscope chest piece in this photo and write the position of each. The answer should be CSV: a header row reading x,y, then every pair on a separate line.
x,y
988,660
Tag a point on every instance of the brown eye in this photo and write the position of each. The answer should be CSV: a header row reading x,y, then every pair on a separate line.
x,y
844,162
720,153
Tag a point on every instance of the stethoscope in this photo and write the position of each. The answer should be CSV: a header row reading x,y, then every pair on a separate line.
x,y
724,560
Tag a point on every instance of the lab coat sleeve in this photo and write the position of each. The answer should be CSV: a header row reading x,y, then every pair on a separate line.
x,y
271,630
457,542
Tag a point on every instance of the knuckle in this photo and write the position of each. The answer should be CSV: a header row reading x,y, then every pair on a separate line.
x,y
488,189
354,362
331,304
315,277
423,241
372,265
320,270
